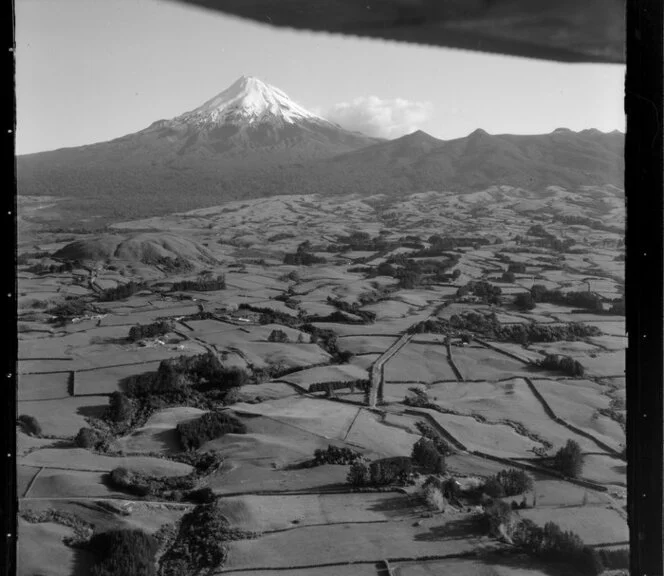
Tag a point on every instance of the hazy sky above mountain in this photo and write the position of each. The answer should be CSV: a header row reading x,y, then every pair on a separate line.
x,y
92,70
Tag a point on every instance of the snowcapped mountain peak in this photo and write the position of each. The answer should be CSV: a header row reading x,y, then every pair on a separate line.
x,y
249,100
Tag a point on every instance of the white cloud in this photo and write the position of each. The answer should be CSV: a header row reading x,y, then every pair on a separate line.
x,y
376,117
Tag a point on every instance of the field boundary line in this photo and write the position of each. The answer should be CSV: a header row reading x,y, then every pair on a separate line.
x,y
501,351
64,358
541,470
441,430
340,523
607,544
50,399
343,489
452,363
352,423
429,557
31,483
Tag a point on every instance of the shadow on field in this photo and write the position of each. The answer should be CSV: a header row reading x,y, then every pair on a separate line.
x,y
395,506
82,562
620,469
92,411
526,563
169,440
457,529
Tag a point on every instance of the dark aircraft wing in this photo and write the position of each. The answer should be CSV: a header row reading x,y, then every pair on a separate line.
x,y
558,30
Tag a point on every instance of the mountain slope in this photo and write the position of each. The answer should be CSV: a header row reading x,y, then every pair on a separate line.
x,y
252,141
420,162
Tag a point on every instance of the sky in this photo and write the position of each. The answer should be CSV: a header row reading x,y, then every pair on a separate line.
x,y
92,70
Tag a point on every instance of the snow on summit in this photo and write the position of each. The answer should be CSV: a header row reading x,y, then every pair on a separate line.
x,y
248,100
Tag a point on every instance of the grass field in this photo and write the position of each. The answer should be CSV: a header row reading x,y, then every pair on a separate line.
x,y
486,364
495,439
43,386
158,434
512,400
336,373
577,403
419,363
42,552
317,416
365,344
365,569
108,380
307,516
81,459
348,542
482,566
54,483
64,418
278,512
605,469
605,364
594,524
370,431
573,349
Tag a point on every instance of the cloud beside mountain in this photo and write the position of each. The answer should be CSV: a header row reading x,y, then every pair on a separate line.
x,y
380,118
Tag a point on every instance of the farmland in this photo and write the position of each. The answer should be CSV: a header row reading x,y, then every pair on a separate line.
x,y
364,352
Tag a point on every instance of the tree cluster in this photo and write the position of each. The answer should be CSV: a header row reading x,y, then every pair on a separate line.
x,y
121,291
271,316
140,484
549,543
70,308
524,301
362,242
30,425
569,459
516,267
486,292
488,326
201,542
152,330
428,432
336,455
579,299
510,482
90,438
394,470
303,259
426,454
194,433
26,257
51,267
200,284
186,380
565,364
122,552
278,336
327,340
354,308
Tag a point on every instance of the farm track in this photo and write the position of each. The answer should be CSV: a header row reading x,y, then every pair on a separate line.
x,y
377,376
